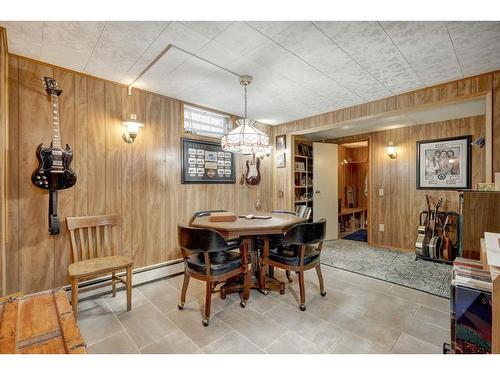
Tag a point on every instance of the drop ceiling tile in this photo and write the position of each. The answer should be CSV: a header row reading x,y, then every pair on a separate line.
x,y
477,45
428,49
24,38
120,46
272,28
370,46
240,38
177,34
209,29
311,45
70,44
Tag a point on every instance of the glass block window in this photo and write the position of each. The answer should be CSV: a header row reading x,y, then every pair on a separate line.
x,y
202,122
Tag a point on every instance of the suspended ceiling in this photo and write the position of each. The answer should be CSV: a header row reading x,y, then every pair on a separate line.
x,y
300,68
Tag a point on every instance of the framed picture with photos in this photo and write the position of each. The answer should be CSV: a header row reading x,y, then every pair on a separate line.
x,y
280,142
444,164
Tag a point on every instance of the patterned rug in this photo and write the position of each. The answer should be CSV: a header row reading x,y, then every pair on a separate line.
x,y
389,265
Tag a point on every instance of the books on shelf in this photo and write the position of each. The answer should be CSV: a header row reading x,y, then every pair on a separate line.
x,y
472,277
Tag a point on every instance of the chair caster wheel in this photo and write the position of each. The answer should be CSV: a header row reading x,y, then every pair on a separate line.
x,y
243,303
205,322
180,306
282,291
222,295
323,294
302,307
265,292
290,279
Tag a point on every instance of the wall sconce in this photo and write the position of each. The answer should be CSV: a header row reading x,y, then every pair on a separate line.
x,y
131,128
391,150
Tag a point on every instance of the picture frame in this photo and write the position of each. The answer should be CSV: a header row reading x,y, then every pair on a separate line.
x,y
204,162
281,160
281,142
444,164
300,166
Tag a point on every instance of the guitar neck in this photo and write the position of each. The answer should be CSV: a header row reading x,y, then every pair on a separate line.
x,y
56,133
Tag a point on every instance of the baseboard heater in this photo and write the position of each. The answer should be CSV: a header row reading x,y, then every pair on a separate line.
x,y
140,276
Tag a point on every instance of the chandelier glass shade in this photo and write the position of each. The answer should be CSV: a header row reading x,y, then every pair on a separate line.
x,y
245,138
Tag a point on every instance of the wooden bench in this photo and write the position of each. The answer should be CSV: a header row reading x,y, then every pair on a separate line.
x,y
41,323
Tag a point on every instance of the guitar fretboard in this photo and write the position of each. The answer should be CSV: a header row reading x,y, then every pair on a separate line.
x,y
56,133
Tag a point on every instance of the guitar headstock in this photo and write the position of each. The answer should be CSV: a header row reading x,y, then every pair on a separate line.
x,y
50,85
427,200
439,203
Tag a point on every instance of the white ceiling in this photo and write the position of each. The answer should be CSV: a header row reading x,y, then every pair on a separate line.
x,y
475,107
300,68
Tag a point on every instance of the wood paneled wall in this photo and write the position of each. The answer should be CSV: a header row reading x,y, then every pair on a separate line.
x,y
401,203
141,181
3,153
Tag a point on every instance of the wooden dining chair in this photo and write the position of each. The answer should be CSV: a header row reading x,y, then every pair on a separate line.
x,y
209,258
94,253
299,252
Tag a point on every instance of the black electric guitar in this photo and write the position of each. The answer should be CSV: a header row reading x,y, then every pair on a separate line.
x,y
53,172
436,240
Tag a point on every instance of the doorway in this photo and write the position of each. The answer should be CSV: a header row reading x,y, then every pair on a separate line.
x,y
354,190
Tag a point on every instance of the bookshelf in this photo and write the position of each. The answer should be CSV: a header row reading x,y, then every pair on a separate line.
x,y
302,174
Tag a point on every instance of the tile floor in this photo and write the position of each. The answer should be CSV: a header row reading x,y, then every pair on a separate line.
x,y
358,315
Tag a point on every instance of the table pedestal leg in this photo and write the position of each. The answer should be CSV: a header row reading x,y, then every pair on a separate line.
x,y
235,284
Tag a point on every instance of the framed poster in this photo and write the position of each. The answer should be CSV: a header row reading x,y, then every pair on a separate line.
x,y
204,162
444,163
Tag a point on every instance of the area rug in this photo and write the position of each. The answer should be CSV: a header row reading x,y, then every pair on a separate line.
x,y
359,235
388,265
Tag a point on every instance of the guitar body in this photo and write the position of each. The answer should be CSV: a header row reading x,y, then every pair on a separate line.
x,y
53,171
252,176
446,248
435,247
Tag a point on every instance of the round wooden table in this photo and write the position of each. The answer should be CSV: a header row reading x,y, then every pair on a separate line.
x,y
248,230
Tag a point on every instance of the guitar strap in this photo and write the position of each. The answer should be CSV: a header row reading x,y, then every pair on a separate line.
x,y
54,225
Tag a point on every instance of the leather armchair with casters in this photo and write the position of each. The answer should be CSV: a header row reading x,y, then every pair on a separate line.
x,y
299,252
276,240
208,257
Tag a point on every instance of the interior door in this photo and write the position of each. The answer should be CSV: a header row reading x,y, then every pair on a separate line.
x,y
325,187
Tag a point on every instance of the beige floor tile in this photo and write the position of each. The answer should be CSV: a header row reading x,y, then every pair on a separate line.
x,y
116,344
175,343
262,303
306,325
145,324
351,344
292,343
189,322
259,329
232,343
96,320
415,296
407,344
161,294
424,331
119,303
436,317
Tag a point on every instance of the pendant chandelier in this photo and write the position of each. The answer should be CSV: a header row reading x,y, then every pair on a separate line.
x,y
245,138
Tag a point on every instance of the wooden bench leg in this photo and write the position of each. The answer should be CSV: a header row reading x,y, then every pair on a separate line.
x,y
74,296
113,284
129,288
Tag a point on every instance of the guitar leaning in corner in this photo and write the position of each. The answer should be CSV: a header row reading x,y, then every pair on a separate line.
x,y
53,172
436,240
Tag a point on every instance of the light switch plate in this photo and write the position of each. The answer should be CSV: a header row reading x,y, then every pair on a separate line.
x,y
381,227
381,192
